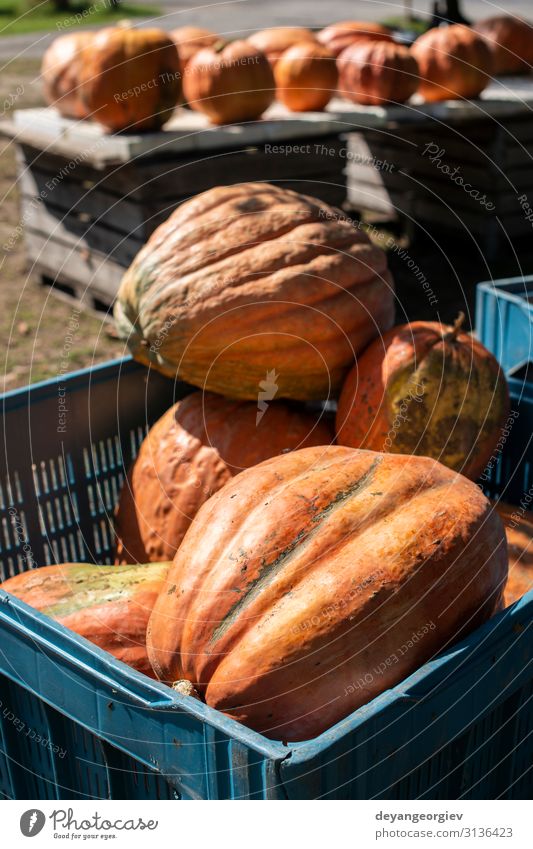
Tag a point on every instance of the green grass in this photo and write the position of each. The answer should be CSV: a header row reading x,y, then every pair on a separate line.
x,y
16,18
414,24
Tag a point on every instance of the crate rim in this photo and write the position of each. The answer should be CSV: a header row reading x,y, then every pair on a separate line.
x,y
506,286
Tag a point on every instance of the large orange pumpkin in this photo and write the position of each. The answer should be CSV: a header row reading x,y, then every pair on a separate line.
x,y
190,453
454,62
131,78
306,77
60,73
428,389
276,40
229,82
108,605
337,37
314,581
249,279
511,42
519,532
377,72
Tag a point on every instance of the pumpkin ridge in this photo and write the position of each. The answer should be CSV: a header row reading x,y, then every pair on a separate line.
x,y
242,248
371,522
269,571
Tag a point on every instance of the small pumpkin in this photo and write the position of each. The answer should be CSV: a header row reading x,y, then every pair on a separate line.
x,y
131,78
511,42
315,581
60,74
189,40
519,532
377,72
337,37
306,77
108,605
190,453
273,42
426,388
244,280
229,82
454,63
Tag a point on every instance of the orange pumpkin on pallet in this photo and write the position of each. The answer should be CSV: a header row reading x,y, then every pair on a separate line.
x,y
190,453
229,82
60,73
377,72
337,37
248,279
108,605
315,581
306,77
426,389
511,41
130,78
189,40
275,41
454,63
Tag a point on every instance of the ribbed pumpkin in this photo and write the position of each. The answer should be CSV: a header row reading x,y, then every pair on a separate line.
x,y
131,78
377,72
189,40
276,40
511,42
249,279
108,605
306,77
454,62
428,389
519,532
229,82
337,37
316,580
60,73
191,452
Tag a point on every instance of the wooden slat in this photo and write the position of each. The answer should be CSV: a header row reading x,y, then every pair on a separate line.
x,y
96,273
78,235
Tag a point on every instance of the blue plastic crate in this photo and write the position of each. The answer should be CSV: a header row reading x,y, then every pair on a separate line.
x,y
76,723
504,320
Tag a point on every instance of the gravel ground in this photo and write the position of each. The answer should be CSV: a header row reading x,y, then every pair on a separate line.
x,y
33,325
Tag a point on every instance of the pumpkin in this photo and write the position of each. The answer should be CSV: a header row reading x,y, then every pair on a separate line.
x,y
377,72
131,78
426,388
60,73
337,37
242,281
316,580
511,42
189,40
275,41
229,82
454,62
306,77
190,453
108,605
519,532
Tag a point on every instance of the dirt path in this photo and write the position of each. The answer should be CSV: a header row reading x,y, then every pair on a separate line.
x,y
33,324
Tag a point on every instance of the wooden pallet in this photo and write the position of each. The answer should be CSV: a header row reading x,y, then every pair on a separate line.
x,y
87,216
494,159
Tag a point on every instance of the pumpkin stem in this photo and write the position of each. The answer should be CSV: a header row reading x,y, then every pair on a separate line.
x,y
219,46
453,332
